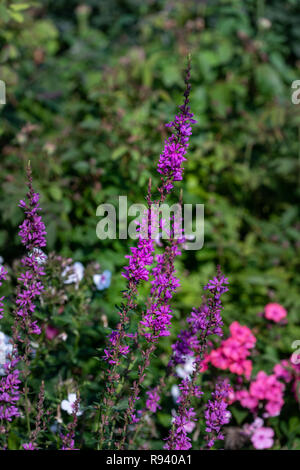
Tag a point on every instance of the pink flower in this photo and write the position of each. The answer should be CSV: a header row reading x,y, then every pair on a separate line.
x,y
246,399
264,388
281,371
249,429
218,359
273,408
258,387
275,312
262,438
51,332
242,334
29,446
241,367
189,427
234,350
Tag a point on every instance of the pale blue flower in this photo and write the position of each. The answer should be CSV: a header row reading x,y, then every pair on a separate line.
x,y
102,281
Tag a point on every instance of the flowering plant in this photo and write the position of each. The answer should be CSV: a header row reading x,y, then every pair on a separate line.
x,y
118,404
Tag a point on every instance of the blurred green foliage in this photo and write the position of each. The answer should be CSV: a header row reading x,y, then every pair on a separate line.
x,y
89,88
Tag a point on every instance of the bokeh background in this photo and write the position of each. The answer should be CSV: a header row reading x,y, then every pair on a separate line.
x,y
90,86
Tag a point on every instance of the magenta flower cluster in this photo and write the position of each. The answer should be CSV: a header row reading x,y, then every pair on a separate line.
x,y
216,412
234,351
152,402
157,320
32,233
265,391
9,384
176,146
192,342
202,322
142,255
179,439
9,391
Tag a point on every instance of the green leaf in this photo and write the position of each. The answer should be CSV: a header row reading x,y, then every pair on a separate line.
x,y
119,152
238,414
55,193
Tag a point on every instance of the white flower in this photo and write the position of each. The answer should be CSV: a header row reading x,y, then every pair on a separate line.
x,y
74,273
1,260
264,23
102,281
257,423
5,350
186,370
227,417
66,405
175,392
39,255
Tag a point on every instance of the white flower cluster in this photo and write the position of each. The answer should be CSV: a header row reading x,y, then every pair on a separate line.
x,y
74,274
5,350
67,405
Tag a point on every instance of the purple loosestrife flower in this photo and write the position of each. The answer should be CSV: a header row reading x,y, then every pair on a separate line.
x,y
142,255
156,320
184,420
202,322
187,389
136,271
68,442
109,353
176,146
179,439
216,413
32,233
191,345
9,392
153,400
9,383
29,446
170,166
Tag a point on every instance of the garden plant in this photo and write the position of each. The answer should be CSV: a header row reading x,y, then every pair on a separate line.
x,y
110,343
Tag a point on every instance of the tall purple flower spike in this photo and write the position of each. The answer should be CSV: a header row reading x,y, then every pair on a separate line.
x,y
192,342
9,384
32,233
216,413
156,322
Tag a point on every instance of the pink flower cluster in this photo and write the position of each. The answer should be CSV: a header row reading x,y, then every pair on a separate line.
x,y
289,372
283,372
265,390
233,352
275,312
261,436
